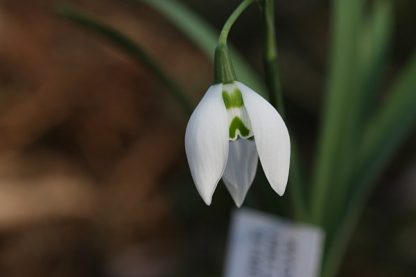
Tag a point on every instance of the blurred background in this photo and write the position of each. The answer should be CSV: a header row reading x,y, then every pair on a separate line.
x,y
93,175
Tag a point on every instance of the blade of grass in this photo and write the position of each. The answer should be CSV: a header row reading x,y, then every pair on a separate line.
x,y
373,47
340,92
130,48
390,126
205,37
376,40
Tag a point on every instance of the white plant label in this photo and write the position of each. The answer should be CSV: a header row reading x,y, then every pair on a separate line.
x,y
262,245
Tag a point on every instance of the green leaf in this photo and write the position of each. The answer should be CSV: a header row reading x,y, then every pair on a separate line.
x,y
373,45
386,131
341,93
130,48
205,37
392,123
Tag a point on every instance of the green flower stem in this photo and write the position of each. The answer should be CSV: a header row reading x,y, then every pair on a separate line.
x,y
204,37
132,49
276,99
223,67
232,19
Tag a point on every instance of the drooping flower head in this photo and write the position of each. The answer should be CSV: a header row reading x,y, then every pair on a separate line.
x,y
230,129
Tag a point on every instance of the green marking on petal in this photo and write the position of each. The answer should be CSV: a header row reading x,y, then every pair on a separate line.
x,y
233,99
237,124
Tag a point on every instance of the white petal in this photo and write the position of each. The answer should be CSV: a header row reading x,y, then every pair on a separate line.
x,y
241,169
206,142
271,137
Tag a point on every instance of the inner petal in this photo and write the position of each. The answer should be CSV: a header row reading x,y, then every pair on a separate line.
x,y
241,168
239,122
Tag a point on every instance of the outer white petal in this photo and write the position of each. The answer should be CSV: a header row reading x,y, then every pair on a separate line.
x,y
206,142
241,169
271,137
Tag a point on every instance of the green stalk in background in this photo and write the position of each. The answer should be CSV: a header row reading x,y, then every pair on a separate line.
x,y
373,47
386,131
132,49
270,58
375,37
346,16
274,87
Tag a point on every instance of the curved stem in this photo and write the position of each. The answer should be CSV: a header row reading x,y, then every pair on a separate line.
x,y
223,68
232,19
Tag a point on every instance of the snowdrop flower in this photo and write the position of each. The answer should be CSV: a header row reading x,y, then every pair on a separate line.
x,y
230,129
